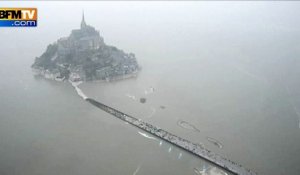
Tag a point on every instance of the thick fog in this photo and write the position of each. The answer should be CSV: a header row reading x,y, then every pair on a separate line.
x,y
262,34
231,69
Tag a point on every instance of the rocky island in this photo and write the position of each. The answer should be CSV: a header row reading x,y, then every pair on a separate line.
x,y
83,56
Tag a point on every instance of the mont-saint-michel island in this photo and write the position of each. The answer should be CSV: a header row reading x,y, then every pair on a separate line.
x,y
84,56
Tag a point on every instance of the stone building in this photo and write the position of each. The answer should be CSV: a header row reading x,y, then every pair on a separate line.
x,y
85,38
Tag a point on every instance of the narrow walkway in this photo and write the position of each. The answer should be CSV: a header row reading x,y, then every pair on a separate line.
x,y
175,140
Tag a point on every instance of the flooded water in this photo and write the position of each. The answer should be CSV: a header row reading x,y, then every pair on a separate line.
x,y
47,128
242,124
222,74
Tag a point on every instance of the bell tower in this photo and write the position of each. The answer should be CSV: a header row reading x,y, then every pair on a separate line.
x,y
83,24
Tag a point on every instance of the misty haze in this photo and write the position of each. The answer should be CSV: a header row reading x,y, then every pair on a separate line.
x,y
108,91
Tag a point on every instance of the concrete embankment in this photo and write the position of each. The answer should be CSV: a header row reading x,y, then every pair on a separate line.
x,y
193,148
175,140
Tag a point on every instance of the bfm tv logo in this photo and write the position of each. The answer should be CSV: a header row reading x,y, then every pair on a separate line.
x,y
18,17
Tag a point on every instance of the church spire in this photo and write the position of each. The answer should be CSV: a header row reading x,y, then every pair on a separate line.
x,y
83,24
